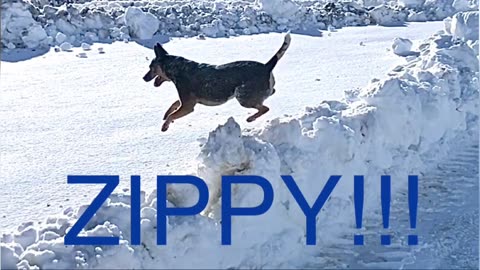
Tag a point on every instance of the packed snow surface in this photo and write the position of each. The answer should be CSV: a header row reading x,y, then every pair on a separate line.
x,y
392,126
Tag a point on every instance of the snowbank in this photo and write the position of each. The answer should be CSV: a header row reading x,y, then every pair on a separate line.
x,y
18,28
38,23
279,9
141,24
384,15
464,25
387,127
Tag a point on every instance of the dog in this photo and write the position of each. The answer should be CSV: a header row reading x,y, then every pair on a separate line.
x,y
250,82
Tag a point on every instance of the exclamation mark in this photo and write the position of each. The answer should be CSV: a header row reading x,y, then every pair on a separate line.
x,y
386,198
412,206
358,187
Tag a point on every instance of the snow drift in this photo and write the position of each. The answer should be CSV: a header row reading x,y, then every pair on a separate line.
x,y
142,24
463,25
19,27
387,127
37,23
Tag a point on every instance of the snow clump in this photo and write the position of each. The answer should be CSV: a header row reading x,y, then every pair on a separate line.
x,y
402,46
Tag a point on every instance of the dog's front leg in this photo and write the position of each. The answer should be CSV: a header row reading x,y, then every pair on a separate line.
x,y
185,108
172,108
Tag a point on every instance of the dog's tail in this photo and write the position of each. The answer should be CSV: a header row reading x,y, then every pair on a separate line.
x,y
286,43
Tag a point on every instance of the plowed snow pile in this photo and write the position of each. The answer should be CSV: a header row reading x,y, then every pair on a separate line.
x,y
42,23
388,127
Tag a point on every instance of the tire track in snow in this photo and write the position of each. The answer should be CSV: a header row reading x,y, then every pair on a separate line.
x,y
447,221
451,224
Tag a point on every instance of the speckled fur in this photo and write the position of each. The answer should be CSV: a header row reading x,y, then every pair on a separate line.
x,y
249,82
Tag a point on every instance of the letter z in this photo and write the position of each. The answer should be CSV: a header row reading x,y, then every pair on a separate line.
x,y
111,182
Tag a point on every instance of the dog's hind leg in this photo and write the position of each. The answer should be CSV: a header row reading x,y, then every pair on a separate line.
x,y
172,108
184,109
253,93
254,103
262,109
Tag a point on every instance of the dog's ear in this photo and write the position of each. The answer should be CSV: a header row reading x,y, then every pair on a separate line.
x,y
159,50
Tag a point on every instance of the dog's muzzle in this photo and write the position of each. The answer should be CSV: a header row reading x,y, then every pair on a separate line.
x,y
158,81
148,77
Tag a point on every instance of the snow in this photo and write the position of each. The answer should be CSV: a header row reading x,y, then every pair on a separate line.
x,y
58,117
82,55
85,46
462,5
383,15
465,25
35,24
461,169
411,3
402,46
19,27
390,126
142,24
36,34
60,37
65,46
279,9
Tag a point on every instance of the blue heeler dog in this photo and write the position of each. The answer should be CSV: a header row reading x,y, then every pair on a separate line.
x,y
249,82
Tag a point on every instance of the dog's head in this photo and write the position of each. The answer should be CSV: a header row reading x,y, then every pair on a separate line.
x,y
155,69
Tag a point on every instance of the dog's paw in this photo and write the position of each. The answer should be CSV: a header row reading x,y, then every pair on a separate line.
x,y
251,119
165,126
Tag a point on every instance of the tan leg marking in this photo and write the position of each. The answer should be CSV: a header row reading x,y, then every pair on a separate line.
x,y
172,108
185,108
261,111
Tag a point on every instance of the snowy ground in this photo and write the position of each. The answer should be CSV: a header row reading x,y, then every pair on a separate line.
x,y
450,236
95,115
